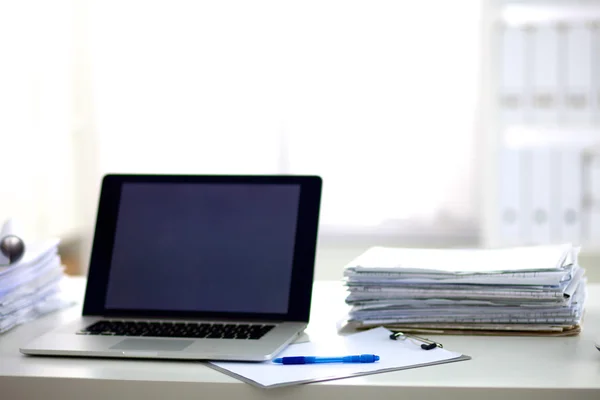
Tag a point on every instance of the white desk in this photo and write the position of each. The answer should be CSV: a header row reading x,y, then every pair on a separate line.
x,y
501,368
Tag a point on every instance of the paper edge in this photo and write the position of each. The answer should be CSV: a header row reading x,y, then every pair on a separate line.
x,y
242,378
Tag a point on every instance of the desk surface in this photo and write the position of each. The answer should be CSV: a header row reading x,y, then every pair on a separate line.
x,y
525,367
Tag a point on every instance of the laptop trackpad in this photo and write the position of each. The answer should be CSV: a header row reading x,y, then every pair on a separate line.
x,y
152,345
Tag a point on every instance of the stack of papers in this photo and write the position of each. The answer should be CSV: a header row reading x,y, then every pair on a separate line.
x,y
31,287
536,290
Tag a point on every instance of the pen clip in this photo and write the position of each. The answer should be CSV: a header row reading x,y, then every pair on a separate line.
x,y
426,345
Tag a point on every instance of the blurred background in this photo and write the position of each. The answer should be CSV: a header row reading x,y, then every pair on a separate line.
x,y
433,123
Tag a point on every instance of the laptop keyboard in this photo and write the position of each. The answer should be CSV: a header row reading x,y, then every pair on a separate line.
x,y
177,330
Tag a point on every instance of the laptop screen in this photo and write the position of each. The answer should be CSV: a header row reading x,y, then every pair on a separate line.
x,y
203,247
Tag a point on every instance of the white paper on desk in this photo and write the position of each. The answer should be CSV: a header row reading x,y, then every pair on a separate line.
x,y
394,355
460,261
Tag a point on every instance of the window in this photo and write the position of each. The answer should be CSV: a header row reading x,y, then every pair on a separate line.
x,y
378,97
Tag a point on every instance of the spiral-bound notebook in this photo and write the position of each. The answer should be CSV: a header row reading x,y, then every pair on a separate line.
x,y
394,355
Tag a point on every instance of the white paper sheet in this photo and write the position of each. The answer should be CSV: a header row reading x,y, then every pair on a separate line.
x,y
458,261
394,355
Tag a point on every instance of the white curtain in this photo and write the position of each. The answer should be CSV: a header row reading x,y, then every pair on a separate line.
x,y
378,97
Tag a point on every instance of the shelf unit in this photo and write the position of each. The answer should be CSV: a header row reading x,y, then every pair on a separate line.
x,y
546,121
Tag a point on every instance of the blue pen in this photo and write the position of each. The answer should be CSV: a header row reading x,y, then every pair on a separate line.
x,y
363,358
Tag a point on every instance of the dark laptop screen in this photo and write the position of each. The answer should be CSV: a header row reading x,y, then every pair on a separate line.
x,y
204,247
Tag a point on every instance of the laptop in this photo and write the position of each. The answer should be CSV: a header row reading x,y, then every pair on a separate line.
x,y
197,268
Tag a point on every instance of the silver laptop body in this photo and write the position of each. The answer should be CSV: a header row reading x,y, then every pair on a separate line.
x,y
197,268
66,341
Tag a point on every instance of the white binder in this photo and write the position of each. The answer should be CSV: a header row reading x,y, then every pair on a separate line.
x,y
555,217
541,195
509,213
595,103
525,196
545,77
593,183
512,74
578,91
569,180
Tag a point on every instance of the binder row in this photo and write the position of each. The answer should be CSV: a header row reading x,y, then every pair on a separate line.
x,y
550,73
549,118
549,195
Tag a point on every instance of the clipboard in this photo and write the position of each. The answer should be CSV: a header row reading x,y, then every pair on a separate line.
x,y
394,356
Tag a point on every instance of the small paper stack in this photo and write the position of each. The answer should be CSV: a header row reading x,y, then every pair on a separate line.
x,y
31,287
537,290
